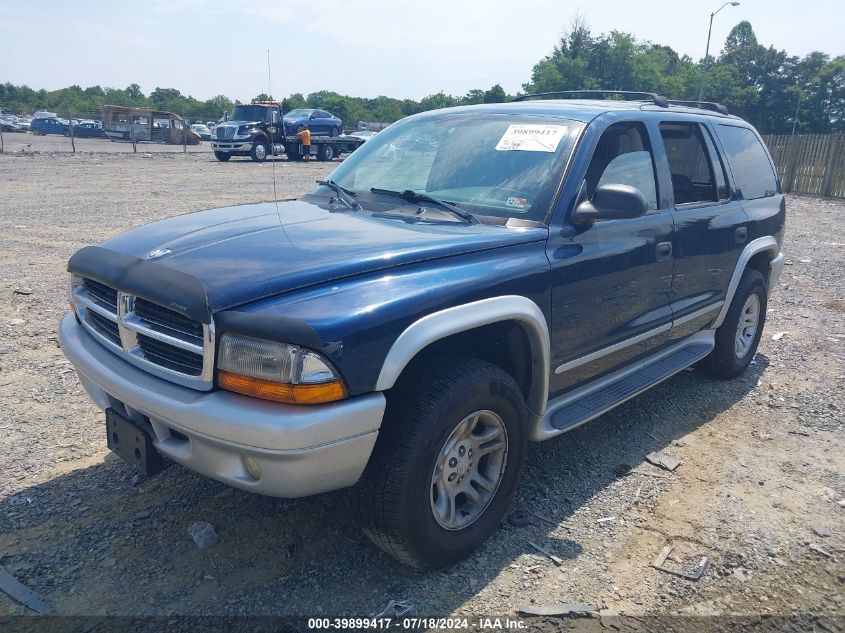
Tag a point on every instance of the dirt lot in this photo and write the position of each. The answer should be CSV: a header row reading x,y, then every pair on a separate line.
x,y
760,491
18,143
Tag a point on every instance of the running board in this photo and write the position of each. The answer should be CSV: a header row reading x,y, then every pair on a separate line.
x,y
601,395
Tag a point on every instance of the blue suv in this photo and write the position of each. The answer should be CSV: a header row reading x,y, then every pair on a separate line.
x,y
49,125
469,280
320,122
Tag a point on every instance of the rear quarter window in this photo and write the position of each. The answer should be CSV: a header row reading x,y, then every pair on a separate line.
x,y
749,162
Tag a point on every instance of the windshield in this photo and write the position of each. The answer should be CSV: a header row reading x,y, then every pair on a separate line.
x,y
248,113
494,165
298,113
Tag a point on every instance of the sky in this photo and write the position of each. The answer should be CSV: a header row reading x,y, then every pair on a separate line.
x,y
361,48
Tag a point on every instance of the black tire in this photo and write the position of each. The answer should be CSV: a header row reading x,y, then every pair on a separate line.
x,y
222,156
335,131
723,361
394,497
325,151
256,153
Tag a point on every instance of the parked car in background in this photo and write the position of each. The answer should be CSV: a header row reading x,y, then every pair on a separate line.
x,y
366,135
49,125
24,122
89,129
10,125
320,122
202,130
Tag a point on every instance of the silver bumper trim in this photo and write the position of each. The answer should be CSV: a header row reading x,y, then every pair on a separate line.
x,y
231,146
302,450
775,270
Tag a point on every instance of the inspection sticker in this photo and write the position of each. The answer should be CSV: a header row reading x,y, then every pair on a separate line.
x,y
531,138
519,203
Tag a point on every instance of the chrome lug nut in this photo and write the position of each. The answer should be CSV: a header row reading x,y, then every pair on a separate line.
x,y
453,462
461,451
452,477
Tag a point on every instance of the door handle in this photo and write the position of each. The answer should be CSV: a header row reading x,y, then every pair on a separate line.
x,y
664,251
741,235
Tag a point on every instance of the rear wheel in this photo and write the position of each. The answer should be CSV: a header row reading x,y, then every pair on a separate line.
x,y
335,131
446,462
326,152
739,335
222,156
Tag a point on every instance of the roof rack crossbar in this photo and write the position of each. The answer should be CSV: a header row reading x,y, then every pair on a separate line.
x,y
658,100
704,105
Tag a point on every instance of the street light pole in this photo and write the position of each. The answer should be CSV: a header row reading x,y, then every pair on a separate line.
x,y
707,50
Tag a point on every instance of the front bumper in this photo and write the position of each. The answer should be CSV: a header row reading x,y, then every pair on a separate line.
x,y
231,146
302,450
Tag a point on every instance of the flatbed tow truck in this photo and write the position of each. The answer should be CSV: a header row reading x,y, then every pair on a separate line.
x,y
258,130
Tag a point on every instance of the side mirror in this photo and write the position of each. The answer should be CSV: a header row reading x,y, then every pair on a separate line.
x,y
274,117
611,202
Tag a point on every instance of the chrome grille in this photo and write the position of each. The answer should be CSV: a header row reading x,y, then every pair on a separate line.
x,y
226,132
170,356
146,334
107,297
106,327
161,318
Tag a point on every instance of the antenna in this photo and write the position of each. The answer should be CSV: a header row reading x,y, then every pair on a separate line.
x,y
272,143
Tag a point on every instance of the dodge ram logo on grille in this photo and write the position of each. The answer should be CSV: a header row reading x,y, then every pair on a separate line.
x,y
159,252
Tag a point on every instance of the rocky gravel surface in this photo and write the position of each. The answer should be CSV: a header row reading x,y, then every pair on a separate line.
x,y
760,490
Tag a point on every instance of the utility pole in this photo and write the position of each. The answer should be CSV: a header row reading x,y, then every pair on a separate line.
x,y
707,50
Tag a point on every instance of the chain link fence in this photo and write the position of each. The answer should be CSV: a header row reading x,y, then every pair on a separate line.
x,y
111,129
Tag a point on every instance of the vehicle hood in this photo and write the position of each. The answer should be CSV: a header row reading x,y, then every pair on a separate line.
x,y
245,253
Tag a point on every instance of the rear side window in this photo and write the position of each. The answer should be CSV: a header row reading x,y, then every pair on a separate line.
x,y
693,177
749,162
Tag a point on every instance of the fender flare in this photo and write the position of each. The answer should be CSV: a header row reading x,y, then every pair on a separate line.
x,y
767,243
438,325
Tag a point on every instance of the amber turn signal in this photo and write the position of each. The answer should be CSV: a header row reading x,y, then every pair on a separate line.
x,y
282,392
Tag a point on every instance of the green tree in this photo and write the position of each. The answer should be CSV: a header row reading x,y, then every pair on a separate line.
x,y
496,94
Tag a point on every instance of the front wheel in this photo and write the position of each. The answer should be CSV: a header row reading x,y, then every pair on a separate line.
x,y
222,156
259,151
335,131
739,335
446,462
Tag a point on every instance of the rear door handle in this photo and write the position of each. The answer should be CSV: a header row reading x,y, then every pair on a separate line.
x,y
741,235
664,251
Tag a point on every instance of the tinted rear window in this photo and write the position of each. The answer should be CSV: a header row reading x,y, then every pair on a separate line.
x,y
749,162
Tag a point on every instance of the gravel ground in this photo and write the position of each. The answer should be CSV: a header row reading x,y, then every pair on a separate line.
x,y
760,491
18,143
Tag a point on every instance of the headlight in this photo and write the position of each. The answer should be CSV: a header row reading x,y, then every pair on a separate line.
x,y
276,371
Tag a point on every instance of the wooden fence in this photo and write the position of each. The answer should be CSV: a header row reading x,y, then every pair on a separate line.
x,y
810,163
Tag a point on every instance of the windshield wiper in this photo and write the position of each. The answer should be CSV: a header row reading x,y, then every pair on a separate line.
x,y
346,196
413,196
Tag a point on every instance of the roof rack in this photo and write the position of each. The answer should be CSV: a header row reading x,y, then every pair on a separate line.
x,y
658,100
703,105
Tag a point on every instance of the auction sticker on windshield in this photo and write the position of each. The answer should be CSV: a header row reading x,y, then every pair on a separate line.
x,y
531,138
